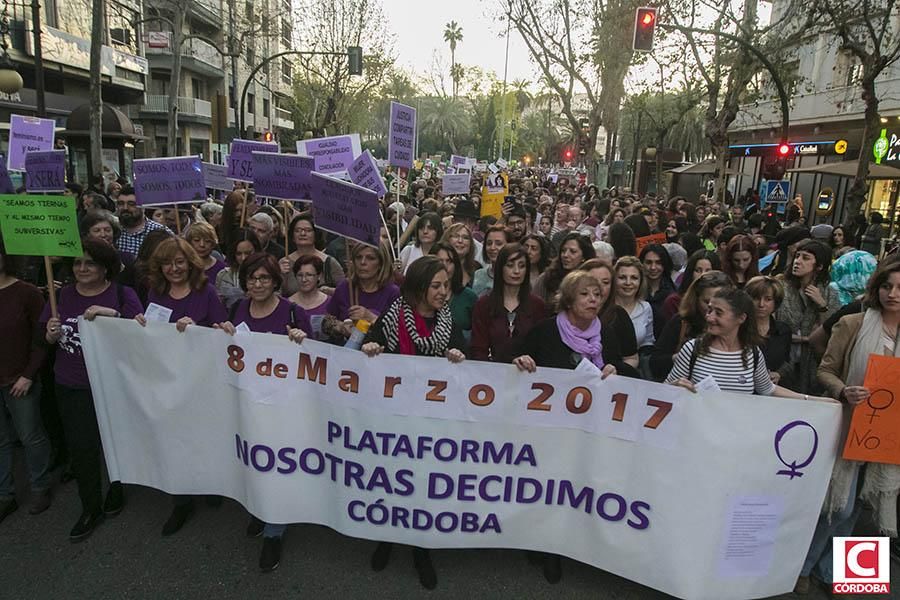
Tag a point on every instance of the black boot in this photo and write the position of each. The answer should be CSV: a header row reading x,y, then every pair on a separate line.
x,y
85,526
422,563
115,499
270,557
176,520
382,556
552,568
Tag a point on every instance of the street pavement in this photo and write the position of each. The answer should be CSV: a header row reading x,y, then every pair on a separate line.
x,y
127,558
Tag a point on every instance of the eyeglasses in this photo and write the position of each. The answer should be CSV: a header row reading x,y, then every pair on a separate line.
x,y
179,263
261,280
305,230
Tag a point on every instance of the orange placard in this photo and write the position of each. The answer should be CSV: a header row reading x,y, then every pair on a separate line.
x,y
656,238
875,428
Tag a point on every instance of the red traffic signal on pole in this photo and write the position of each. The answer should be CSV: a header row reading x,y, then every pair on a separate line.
x,y
568,154
644,28
784,149
268,136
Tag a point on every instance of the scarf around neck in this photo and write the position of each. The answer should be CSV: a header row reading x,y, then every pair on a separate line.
x,y
584,341
407,333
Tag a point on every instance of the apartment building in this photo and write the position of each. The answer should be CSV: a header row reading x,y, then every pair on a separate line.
x,y
826,125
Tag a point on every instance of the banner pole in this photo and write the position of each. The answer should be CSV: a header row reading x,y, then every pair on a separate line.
x,y
244,210
399,217
388,230
177,219
51,286
287,233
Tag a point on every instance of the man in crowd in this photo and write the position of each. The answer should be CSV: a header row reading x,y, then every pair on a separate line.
x,y
264,227
135,226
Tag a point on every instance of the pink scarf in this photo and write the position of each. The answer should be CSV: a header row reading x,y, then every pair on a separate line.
x,y
584,341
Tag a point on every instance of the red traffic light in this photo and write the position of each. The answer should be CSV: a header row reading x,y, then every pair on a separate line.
x,y
644,28
784,149
568,154
647,19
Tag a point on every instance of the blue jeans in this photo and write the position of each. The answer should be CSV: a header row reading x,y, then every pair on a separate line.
x,y
20,418
819,558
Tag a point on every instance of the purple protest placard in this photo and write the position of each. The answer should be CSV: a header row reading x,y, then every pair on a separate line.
x,y
364,172
216,177
332,154
45,171
177,180
240,158
401,135
282,176
28,134
346,209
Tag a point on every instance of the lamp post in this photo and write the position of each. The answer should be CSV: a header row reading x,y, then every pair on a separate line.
x,y
10,79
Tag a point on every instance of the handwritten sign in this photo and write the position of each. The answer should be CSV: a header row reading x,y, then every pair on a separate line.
x,y
874,434
346,209
216,177
494,190
45,171
176,180
282,176
240,157
644,241
28,134
402,135
333,154
39,225
455,183
364,172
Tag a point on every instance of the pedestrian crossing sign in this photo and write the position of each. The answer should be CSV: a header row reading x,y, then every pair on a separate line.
x,y
777,191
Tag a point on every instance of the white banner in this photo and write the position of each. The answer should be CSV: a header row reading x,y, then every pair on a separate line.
x,y
700,496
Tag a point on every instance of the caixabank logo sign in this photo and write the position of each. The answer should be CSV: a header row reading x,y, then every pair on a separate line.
x,y
862,565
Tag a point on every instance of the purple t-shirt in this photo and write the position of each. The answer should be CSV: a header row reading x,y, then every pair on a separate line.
x,y
213,271
69,368
276,322
203,306
377,301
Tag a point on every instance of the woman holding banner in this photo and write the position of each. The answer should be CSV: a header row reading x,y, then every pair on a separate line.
x,y
616,331
93,294
228,282
563,342
180,293
503,317
842,371
306,240
367,292
462,299
418,323
263,311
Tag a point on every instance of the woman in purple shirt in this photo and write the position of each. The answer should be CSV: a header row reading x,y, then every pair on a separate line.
x,y
180,293
367,292
264,311
93,294
203,239
307,270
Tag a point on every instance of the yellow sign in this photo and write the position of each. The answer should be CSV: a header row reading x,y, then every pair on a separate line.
x,y
494,189
840,147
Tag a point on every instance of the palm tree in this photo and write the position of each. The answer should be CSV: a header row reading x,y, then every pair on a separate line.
x,y
453,34
445,119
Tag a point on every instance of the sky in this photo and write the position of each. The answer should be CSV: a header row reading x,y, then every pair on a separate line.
x,y
419,32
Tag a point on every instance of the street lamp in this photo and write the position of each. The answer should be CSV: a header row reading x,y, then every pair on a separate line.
x,y
10,79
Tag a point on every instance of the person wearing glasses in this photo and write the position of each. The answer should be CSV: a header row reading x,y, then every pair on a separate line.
x,y
180,293
135,225
264,311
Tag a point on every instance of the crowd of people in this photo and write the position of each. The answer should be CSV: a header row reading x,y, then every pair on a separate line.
x,y
693,293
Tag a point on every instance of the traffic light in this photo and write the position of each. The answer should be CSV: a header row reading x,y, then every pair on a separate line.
x,y
644,27
568,154
784,150
268,136
354,60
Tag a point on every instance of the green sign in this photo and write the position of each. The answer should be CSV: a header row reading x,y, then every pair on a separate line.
x,y
881,147
34,225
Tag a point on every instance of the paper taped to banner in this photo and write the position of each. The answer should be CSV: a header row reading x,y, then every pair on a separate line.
x,y
644,480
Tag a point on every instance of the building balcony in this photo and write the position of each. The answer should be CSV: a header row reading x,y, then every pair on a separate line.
x,y
207,10
827,106
196,55
283,119
188,108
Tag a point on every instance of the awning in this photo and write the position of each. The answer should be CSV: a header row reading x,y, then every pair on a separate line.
x,y
847,168
706,167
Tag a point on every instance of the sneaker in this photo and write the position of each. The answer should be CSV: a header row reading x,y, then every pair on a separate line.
x,y
115,499
7,507
177,519
255,527
85,526
381,556
40,501
270,557
552,568
801,588
424,568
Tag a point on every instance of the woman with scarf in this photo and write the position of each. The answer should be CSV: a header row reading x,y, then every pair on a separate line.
x,y
562,342
842,371
418,323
